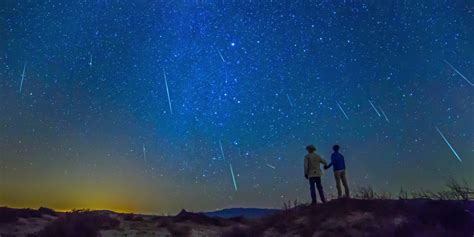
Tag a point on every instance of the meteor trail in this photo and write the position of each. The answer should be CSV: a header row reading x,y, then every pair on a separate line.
x,y
230,165
446,141
384,115
342,110
459,73
233,177
376,111
220,54
167,91
144,152
22,77
289,100
222,150
271,166
90,61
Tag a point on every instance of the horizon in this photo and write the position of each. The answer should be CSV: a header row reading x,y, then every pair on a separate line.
x,y
161,106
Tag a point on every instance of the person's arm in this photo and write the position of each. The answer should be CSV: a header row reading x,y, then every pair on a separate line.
x,y
330,164
306,167
323,161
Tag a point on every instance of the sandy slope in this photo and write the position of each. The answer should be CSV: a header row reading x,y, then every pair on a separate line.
x,y
337,218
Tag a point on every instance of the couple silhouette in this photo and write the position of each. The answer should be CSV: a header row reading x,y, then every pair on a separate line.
x,y
312,172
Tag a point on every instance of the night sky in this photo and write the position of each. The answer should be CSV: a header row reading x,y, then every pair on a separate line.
x,y
150,106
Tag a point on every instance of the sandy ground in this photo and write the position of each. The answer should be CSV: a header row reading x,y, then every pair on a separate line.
x,y
336,218
25,226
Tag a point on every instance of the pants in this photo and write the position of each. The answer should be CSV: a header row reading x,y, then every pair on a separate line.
x,y
340,175
312,181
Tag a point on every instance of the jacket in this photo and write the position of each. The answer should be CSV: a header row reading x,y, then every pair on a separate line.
x,y
312,162
337,161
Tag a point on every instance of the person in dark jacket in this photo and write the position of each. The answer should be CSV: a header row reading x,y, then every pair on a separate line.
x,y
339,167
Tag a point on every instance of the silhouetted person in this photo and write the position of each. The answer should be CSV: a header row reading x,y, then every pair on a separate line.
x,y
312,171
337,161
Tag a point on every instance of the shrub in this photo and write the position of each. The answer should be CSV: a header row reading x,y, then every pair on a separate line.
x,y
288,204
132,217
47,211
366,193
236,231
179,230
7,215
79,223
11,214
402,195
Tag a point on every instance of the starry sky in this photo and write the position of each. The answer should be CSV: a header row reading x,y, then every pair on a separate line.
x,y
154,106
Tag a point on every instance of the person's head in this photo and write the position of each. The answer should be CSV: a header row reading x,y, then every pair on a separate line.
x,y
310,148
335,148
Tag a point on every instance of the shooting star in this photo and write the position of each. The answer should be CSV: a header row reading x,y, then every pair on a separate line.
x,y
451,147
220,54
289,100
90,61
222,150
459,73
342,110
22,77
233,177
376,111
384,115
271,166
167,91
144,152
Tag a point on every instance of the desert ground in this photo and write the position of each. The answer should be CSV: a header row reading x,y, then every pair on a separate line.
x,y
342,217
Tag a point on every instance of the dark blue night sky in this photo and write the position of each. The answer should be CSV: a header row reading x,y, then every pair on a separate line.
x,y
146,106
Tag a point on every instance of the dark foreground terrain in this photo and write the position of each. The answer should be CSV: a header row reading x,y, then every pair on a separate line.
x,y
343,217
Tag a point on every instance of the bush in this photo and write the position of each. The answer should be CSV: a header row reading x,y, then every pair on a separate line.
x,y
236,231
7,215
179,230
79,224
198,218
47,211
132,217
366,193
11,214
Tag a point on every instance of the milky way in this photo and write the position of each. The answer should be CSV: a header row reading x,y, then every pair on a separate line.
x,y
130,105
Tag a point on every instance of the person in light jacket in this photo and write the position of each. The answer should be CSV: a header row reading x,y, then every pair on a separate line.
x,y
312,172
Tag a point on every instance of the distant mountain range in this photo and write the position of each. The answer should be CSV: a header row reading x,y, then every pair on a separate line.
x,y
250,213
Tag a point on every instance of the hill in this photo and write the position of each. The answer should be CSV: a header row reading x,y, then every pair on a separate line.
x,y
343,217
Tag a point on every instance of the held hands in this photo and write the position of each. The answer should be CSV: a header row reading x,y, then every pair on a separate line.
x,y
326,167
306,176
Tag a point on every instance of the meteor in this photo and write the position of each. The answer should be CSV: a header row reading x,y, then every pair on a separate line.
x,y
220,54
271,166
451,147
342,110
167,91
90,61
289,100
459,73
22,77
144,152
384,115
222,150
376,111
230,166
233,177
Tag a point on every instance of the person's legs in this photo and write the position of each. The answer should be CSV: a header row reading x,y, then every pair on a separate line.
x,y
344,182
320,189
337,176
311,188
